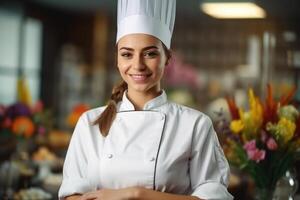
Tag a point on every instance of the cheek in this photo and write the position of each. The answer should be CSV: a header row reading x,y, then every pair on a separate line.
x,y
122,71
122,66
161,65
158,69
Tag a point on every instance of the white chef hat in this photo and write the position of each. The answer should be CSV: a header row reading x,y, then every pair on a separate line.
x,y
152,17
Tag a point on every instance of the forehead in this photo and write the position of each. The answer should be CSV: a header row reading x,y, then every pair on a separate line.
x,y
139,41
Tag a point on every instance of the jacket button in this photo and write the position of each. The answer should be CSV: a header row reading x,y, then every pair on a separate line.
x,y
152,159
109,156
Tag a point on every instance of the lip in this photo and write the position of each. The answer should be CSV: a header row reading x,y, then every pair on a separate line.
x,y
140,77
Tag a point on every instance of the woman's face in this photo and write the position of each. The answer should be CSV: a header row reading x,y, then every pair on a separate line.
x,y
141,62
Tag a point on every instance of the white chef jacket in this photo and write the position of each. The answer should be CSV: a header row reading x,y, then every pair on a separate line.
x,y
165,147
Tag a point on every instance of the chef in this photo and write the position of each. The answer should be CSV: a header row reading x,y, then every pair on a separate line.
x,y
140,145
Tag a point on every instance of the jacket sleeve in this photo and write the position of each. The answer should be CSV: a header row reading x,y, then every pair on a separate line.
x,y
75,166
209,169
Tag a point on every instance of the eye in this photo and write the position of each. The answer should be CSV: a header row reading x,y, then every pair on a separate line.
x,y
151,54
126,54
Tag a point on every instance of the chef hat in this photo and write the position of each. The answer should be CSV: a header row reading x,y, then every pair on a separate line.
x,y
152,17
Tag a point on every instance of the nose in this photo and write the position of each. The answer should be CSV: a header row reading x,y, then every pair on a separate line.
x,y
138,63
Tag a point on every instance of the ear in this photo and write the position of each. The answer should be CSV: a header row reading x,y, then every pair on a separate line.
x,y
169,56
167,62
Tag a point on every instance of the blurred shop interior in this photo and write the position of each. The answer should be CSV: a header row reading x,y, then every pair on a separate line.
x,y
58,56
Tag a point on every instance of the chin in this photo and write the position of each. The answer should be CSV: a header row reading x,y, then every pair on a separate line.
x,y
140,89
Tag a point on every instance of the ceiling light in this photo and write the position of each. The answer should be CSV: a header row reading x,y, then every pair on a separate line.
x,y
232,10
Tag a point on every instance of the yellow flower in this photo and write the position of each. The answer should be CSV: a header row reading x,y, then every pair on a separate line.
x,y
287,128
253,119
283,131
236,126
256,110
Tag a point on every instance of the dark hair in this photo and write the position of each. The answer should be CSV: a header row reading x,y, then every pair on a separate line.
x,y
107,117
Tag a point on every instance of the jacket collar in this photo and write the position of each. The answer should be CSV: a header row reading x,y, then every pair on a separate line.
x,y
126,105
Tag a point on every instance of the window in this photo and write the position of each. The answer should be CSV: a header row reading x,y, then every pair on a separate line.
x,y
20,50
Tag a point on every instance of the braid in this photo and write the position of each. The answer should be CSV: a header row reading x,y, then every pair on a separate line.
x,y
107,117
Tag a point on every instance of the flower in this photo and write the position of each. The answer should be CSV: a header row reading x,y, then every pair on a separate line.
x,y
264,139
253,152
24,121
283,131
236,126
271,144
251,145
23,126
77,111
256,155
289,112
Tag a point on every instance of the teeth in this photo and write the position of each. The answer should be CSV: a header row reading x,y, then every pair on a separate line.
x,y
139,76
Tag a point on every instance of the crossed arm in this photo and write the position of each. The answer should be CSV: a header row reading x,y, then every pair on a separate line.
x,y
131,193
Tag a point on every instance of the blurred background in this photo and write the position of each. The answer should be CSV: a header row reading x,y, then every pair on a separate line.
x,y
58,58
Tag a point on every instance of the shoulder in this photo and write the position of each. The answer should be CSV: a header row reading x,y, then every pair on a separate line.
x,y
91,115
191,121
187,112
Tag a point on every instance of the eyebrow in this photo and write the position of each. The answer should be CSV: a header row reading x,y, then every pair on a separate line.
x,y
144,49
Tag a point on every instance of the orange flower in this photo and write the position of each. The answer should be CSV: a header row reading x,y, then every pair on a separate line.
x,y
72,119
23,126
80,108
77,111
234,111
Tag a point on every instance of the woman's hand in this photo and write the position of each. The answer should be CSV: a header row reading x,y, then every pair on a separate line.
x,y
133,193
110,194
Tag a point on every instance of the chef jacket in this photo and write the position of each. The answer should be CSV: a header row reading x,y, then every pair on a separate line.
x,y
165,147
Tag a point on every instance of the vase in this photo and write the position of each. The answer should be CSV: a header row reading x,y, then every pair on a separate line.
x,y
285,188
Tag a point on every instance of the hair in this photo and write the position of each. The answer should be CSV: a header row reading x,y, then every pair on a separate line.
x,y
107,117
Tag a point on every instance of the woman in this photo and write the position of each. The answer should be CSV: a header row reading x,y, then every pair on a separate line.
x,y
141,146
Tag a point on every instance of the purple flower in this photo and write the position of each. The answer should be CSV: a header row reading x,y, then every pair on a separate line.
x,y
18,109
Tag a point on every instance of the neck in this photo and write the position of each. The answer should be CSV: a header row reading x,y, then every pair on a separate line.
x,y
139,99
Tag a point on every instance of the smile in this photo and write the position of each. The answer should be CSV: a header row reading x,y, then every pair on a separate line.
x,y
139,77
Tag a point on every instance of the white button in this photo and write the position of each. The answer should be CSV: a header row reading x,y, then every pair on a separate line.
x,y
109,155
152,159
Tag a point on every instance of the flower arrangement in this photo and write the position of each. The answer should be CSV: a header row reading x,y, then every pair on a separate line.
x,y
23,121
76,112
264,140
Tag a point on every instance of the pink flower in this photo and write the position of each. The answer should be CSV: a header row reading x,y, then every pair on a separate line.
x,y
253,152
271,144
251,145
7,123
263,136
38,107
41,130
256,155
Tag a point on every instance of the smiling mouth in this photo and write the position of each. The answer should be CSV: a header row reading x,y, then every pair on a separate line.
x,y
139,77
